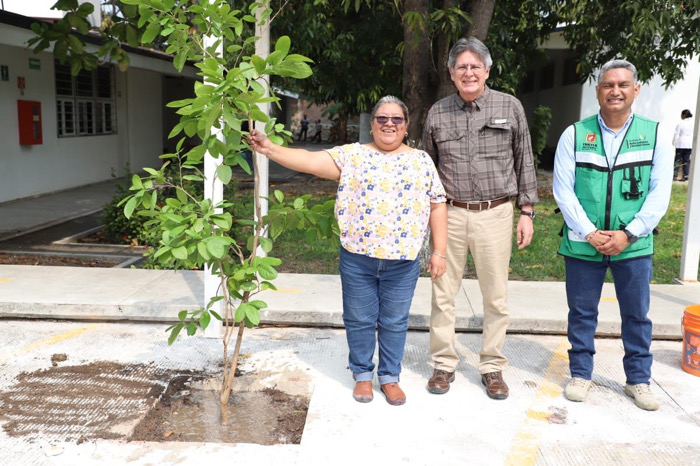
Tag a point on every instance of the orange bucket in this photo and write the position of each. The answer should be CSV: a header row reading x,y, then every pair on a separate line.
x,y
691,339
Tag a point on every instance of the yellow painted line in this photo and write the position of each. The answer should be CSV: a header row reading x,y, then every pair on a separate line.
x,y
5,280
288,290
525,447
612,300
47,342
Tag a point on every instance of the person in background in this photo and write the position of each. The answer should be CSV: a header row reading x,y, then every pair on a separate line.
x,y
480,142
683,142
612,182
317,135
387,195
304,127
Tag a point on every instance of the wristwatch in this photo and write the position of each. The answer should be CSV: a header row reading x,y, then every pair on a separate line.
x,y
529,213
630,237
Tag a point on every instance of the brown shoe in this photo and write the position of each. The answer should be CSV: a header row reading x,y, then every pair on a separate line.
x,y
363,392
393,393
496,387
439,383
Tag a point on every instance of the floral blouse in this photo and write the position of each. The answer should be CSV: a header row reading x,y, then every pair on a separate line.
x,y
383,201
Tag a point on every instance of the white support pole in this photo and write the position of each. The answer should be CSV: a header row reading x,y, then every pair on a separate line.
x,y
214,190
262,49
690,254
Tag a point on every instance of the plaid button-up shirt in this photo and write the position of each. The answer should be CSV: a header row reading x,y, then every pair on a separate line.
x,y
483,151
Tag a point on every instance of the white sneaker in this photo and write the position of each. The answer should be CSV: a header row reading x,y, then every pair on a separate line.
x,y
577,389
642,395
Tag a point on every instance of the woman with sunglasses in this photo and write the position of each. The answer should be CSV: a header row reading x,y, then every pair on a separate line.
x,y
387,195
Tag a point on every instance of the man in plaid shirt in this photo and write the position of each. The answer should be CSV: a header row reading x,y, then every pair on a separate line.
x,y
480,142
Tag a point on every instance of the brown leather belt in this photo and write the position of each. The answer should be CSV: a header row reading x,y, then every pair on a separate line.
x,y
479,205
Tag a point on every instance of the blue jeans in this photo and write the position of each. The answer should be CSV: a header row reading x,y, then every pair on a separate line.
x,y
584,284
377,294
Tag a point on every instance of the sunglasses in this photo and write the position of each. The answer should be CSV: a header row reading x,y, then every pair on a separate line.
x,y
382,120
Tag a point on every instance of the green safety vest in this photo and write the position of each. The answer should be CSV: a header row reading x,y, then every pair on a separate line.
x,y
611,197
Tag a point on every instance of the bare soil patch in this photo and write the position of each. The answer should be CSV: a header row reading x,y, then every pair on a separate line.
x,y
108,400
46,259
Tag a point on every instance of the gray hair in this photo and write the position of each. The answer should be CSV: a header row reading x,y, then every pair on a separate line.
x,y
617,63
390,99
471,44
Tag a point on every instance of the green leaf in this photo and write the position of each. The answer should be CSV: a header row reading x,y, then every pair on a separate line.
x,y
224,173
136,182
279,195
174,333
253,316
150,33
130,206
283,44
86,9
204,320
180,252
267,286
249,286
265,244
267,272
202,250
273,261
217,245
258,304
258,63
75,43
242,311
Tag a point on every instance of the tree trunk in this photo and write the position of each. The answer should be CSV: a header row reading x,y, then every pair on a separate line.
x,y
444,43
342,127
418,94
426,78
481,12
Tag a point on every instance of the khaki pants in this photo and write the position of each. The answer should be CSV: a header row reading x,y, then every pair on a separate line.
x,y
487,234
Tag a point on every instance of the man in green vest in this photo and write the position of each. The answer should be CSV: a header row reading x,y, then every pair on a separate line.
x,y
612,182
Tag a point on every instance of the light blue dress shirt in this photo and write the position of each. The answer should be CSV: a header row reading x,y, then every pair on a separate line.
x,y
656,202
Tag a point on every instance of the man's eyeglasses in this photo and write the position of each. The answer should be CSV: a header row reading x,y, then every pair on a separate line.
x,y
476,69
382,120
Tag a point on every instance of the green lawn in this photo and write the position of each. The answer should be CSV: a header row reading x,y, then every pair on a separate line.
x,y
537,262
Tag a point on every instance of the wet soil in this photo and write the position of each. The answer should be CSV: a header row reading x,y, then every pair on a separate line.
x,y
265,417
108,400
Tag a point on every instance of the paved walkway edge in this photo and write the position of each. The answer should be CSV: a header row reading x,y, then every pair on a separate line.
x,y
76,293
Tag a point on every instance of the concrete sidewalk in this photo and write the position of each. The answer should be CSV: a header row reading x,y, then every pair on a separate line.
x,y
536,425
157,296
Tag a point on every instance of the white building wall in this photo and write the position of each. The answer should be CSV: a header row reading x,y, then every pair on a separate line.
x,y
57,163
42,9
67,162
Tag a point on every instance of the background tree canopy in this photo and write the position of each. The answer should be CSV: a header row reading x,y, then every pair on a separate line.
x,y
364,49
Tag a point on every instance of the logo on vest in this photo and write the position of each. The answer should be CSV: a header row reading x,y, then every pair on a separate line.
x,y
641,141
590,143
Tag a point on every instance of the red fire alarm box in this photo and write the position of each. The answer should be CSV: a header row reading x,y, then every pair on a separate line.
x,y
29,118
